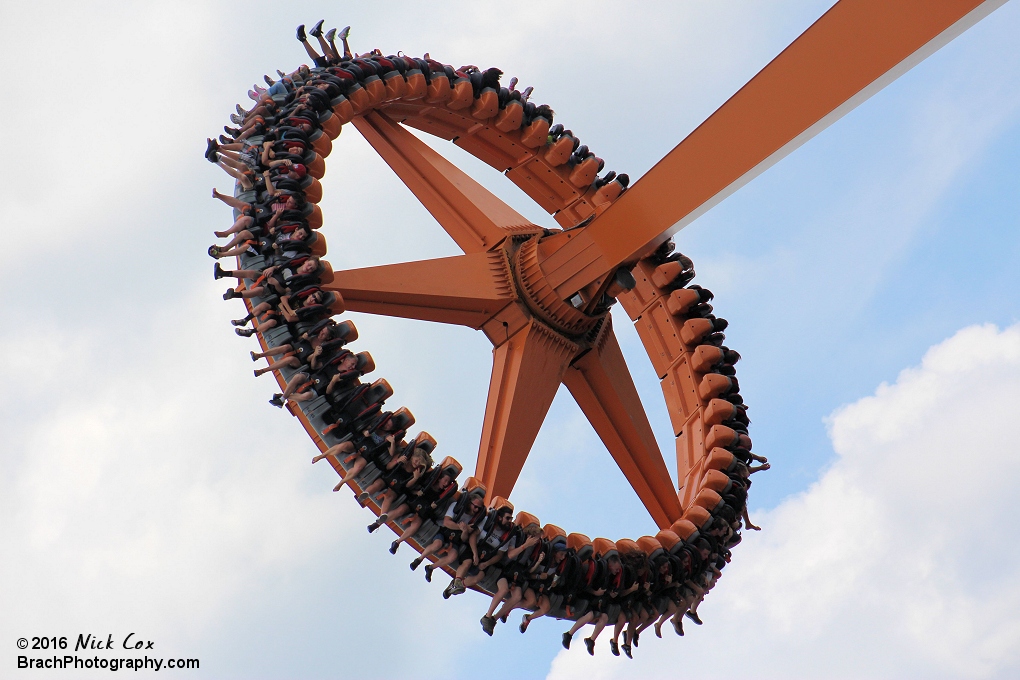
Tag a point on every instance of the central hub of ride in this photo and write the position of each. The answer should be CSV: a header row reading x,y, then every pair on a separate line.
x,y
542,299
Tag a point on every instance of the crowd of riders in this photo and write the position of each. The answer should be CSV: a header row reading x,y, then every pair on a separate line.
x,y
628,586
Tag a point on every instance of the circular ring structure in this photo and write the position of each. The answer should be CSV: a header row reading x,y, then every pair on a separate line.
x,y
509,284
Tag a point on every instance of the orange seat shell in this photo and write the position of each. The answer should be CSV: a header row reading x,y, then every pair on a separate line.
x,y
626,545
603,546
511,117
681,300
577,541
463,95
698,516
684,528
498,502
551,531
536,133
526,519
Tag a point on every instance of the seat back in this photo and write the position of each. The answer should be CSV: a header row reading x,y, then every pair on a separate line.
x,y
365,362
402,418
650,546
526,519
580,544
604,547
551,531
498,502
427,442
625,545
685,529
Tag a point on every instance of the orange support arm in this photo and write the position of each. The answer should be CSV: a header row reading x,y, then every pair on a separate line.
x,y
602,386
470,214
851,52
467,290
526,372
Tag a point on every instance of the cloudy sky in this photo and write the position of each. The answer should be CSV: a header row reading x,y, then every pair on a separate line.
x,y
871,279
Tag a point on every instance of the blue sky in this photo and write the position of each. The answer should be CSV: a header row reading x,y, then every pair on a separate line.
x,y
145,483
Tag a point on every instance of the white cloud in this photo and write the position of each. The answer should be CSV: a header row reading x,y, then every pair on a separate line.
x,y
901,561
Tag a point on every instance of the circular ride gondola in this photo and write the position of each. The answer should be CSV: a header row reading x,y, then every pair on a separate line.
x,y
542,296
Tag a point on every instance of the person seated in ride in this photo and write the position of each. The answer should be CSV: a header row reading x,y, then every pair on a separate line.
x,y
427,501
514,578
294,307
309,349
637,607
660,595
697,555
543,583
620,595
711,572
399,476
278,279
486,549
458,526
601,575
526,594
369,447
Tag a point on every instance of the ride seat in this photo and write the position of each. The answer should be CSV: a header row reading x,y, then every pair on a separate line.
x,y
551,531
333,124
358,96
584,173
526,519
417,85
668,274
607,193
366,364
694,330
559,151
626,545
719,410
535,134
376,90
462,96
713,385
324,272
439,90
396,86
313,192
650,546
704,357
669,541
428,442
474,484
721,436
580,544
720,459
498,502
402,418
698,516
681,300
685,529
487,104
511,117
716,481
603,547
448,462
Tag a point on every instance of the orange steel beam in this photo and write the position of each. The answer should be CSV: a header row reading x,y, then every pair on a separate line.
x,y
849,54
470,214
602,386
467,290
526,372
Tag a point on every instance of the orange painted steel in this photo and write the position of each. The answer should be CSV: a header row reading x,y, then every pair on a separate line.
x,y
851,52
536,293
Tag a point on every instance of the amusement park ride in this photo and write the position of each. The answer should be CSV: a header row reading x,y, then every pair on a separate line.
x,y
542,296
